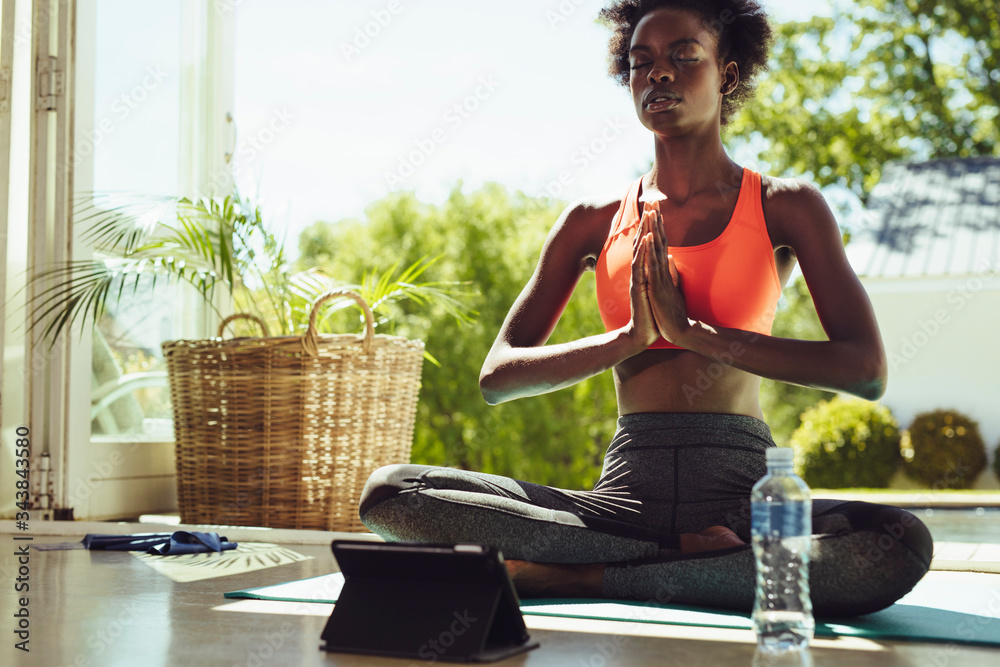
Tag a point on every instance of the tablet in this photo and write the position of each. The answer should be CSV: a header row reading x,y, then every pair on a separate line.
x,y
452,602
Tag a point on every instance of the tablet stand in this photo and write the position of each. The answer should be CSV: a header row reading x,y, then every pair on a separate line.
x,y
427,620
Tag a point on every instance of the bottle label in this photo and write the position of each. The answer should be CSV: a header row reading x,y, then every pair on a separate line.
x,y
778,519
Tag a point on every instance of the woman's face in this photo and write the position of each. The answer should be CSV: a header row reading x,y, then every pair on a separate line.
x,y
673,59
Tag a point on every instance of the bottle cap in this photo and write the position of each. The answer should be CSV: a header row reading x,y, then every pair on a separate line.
x,y
779,455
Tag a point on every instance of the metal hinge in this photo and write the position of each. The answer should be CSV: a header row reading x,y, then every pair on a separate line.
x,y
41,499
4,90
51,84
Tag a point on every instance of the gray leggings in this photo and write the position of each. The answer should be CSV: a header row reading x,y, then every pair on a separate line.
x,y
664,474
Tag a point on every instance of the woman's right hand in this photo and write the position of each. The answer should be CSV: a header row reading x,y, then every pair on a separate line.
x,y
642,328
521,362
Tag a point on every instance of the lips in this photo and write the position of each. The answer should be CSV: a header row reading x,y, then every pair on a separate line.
x,y
665,105
661,101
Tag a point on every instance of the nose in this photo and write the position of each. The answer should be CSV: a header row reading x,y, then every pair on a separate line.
x,y
659,72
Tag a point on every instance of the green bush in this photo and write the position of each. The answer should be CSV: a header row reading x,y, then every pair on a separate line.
x,y
947,450
781,402
996,461
847,443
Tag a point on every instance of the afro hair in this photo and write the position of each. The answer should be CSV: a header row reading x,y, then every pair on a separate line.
x,y
742,27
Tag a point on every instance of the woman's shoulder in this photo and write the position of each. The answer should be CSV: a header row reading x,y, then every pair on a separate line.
x,y
596,205
586,222
792,206
788,192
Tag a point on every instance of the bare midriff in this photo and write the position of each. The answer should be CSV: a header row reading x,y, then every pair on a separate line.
x,y
684,381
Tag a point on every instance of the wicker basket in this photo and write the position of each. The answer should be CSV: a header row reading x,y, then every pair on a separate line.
x,y
284,431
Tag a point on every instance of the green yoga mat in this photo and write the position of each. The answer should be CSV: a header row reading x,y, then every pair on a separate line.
x,y
955,607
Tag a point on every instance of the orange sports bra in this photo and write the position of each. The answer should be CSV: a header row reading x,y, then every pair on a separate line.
x,y
731,281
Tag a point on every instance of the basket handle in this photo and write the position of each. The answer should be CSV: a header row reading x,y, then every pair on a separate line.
x,y
242,316
310,342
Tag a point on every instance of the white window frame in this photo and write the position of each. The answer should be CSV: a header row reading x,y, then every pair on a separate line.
x,y
13,247
105,478
36,49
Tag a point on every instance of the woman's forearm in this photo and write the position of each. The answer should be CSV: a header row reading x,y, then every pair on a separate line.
x,y
855,367
516,372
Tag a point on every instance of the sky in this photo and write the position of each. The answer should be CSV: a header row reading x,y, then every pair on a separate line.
x,y
339,103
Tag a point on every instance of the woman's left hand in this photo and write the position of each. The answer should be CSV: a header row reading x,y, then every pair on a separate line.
x,y
663,282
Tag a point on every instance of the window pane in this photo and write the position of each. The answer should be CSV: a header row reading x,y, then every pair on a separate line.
x,y
136,97
129,396
134,145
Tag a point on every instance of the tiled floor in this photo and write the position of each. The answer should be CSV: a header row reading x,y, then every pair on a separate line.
x,y
966,557
111,608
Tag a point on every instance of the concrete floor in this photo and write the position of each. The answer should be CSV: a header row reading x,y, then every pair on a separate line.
x,y
111,608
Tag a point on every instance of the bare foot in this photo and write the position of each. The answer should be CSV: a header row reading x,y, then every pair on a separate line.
x,y
710,539
537,580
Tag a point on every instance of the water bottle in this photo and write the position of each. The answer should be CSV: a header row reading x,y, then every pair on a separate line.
x,y
781,529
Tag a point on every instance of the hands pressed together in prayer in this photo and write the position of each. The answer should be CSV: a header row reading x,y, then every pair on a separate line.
x,y
658,307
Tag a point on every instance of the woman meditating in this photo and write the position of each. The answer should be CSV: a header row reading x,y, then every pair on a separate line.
x,y
690,262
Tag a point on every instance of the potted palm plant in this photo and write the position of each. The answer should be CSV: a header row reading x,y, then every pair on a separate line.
x,y
279,430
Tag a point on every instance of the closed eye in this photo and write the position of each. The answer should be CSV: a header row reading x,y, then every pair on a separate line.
x,y
680,60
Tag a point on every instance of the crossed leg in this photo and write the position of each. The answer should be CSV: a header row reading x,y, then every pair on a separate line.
x,y
563,543
586,580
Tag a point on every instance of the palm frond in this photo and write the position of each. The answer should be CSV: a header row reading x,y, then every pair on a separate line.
x,y
383,289
81,290
207,242
120,222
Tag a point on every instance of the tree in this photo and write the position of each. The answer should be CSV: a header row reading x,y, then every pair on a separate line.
x,y
881,81
782,403
490,239
884,80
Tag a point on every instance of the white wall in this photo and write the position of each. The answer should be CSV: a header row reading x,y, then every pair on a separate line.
x,y
942,336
